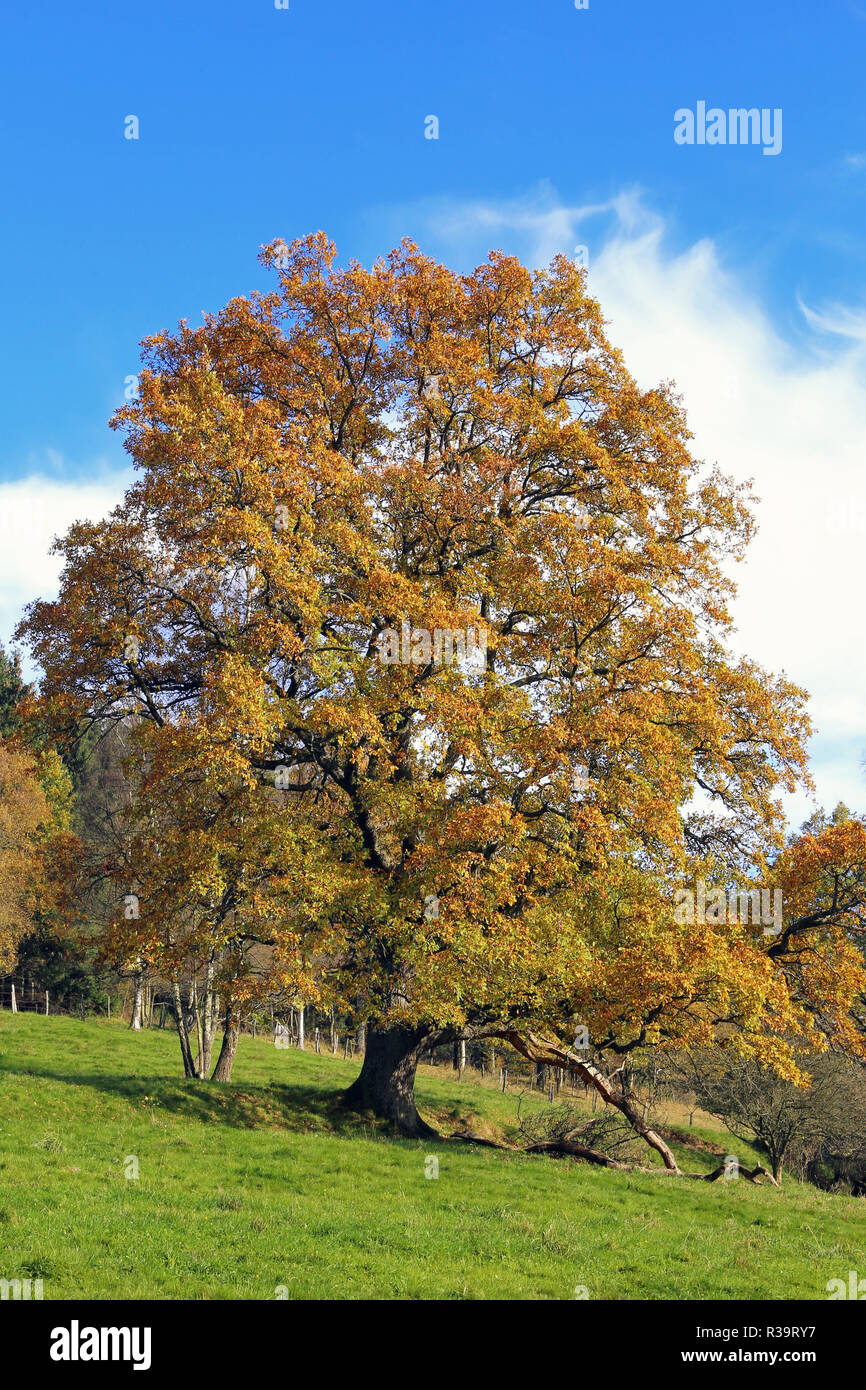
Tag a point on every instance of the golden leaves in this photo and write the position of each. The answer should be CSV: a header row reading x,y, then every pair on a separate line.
x,y
363,449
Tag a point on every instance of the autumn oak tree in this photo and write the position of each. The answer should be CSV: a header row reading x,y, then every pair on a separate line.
x,y
448,848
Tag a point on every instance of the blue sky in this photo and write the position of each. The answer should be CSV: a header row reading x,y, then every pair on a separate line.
x,y
740,274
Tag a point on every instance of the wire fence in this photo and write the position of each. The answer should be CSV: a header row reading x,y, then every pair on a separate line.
x,y
24,996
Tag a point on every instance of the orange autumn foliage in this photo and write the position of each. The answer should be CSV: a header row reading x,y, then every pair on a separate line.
x,y
33,863
455,846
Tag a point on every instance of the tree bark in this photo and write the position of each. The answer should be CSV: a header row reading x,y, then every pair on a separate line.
x,y
189,1067
195,1012
208,1022
223,1069
386,1082
135,1021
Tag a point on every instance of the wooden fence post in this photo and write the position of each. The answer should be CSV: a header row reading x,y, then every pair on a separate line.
x,y
14,1001
46,1003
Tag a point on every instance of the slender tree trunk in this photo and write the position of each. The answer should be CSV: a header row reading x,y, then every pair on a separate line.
x,y
386,1083
195,1010
208,1022
223,1069
301,1027
135,1021
189,1068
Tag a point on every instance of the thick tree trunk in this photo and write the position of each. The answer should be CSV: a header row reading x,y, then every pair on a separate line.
x,y
223,1069
386,1083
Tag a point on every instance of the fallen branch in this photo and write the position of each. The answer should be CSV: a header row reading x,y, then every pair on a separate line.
x,y
569,1148
546,1053
574,1150
488,1143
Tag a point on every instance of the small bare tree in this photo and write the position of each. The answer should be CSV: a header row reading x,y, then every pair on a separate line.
x,y
755,1105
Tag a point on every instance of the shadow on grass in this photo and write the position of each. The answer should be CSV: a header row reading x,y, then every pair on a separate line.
x,y
296,1106
288,1105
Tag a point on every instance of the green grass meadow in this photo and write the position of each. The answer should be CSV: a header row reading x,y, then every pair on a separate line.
x,y
264,1189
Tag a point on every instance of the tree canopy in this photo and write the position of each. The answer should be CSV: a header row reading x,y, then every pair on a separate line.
x,y
330,475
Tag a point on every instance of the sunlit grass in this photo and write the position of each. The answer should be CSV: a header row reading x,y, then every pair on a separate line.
x,y
266,1185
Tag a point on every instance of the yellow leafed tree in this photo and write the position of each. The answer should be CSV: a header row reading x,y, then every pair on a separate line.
x,y
420,604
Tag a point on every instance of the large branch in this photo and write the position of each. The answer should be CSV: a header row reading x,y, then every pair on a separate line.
x,y
546,1053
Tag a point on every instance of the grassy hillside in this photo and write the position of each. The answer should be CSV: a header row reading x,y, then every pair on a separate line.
x,y
264,1183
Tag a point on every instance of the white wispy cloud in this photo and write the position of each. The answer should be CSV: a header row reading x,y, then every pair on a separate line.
x,y
838,319
790,416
